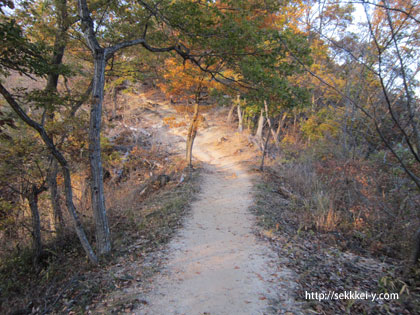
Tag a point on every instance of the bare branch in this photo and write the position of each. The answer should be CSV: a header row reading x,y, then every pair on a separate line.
x,y
60,158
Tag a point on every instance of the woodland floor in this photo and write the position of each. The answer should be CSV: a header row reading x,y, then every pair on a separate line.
x,y
215,264
227,241
241,250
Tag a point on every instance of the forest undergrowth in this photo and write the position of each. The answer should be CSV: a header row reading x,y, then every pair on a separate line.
x,y
149,189
342,224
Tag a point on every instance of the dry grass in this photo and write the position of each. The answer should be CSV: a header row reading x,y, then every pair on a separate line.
x,y
321,256
143,215
149,220
172,123
359,199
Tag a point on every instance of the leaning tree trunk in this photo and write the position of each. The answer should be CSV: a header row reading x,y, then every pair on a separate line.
x,y
59,223
192,132
264,147
72,210
103,240
36,222
280,126
270,125
241,120
229,117
260,127
65,167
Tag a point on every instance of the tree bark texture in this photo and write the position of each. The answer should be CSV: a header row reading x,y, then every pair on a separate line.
x,y
103,240
260,126
60,43
264,150
55,196
416,250
270,125
36,222
66,172
241,121
229,117
192,132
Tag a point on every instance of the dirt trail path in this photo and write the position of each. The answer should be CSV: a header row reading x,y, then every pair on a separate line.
x,y
216,265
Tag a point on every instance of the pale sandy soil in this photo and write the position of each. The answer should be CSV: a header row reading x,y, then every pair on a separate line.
x,y
216,264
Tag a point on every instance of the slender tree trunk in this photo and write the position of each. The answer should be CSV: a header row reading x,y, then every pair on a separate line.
x,y
103,240
294,122
60,43
54,196
72,210
229,117
273,133
280,126
36,222
66,172
192,132
409,103
261,122
416,250
240,117
240,123
264,150
249,124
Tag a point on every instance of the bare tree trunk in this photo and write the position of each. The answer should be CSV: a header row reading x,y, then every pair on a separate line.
x,y
240,116
273,133
103,240
264,150
260,127
66,172
229,117
416,250
36,222
294,121
408,104
241,119
280,126
72,210
192,132
60,43
54,196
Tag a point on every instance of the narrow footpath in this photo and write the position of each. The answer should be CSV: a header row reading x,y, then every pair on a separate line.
x,y
216,264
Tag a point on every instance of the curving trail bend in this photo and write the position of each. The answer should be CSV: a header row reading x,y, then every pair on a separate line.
x,y
216,265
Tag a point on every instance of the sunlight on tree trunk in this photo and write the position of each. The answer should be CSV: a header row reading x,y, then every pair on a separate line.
x,y
264,147
230,115
59,223
192,132
261,122
66,172
273,133
240,117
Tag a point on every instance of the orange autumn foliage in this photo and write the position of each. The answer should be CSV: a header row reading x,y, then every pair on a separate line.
x,y
185,81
